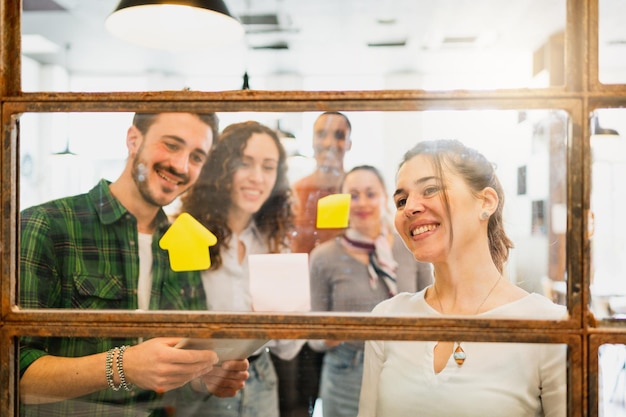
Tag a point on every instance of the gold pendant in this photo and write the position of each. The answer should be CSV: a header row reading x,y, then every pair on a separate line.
x,y
459,355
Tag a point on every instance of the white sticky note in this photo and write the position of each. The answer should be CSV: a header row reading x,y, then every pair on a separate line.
x,y
280,282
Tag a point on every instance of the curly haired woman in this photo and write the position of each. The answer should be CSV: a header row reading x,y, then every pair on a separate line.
x,y
243,198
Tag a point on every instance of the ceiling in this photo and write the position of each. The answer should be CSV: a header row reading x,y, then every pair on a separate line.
x,y
309,38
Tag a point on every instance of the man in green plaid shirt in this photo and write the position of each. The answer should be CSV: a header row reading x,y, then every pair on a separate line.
x,y
100,250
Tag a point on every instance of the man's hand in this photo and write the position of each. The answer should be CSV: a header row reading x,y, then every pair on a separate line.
x,y
156,365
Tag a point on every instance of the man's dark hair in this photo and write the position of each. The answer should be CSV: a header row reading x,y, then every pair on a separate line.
x,y
143,121
336,113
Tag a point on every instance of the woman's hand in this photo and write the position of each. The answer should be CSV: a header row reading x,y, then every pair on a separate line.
x,y
226,379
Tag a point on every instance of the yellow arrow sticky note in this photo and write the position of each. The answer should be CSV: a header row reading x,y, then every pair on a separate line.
x,y
333,211
187,242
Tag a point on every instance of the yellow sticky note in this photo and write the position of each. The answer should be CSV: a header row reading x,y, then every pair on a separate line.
x,y
187,242
333,211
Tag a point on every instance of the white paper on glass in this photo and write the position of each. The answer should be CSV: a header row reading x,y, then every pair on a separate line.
x,y
279,282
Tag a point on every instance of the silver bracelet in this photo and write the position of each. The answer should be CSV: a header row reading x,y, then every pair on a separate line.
x,y
120,370
108,369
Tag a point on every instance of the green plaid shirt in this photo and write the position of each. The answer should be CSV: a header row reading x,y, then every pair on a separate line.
x,y
81,252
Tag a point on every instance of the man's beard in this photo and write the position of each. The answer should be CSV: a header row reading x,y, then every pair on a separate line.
x,y
140,176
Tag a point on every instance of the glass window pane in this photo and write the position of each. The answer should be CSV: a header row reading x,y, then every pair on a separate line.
x,y
611,42
312,46
612,380
65,154
521,378
608,200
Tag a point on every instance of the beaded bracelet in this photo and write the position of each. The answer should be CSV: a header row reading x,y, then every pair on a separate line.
x,y
108,369
120,370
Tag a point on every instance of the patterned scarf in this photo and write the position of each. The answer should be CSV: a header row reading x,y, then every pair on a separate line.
x,y
381,263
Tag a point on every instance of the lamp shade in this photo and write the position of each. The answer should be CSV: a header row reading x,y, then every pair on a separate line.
x,y
174,25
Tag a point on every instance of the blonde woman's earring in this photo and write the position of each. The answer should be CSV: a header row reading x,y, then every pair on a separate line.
x,y
484,215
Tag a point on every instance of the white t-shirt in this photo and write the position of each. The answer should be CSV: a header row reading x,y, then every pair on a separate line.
x,y
496,379
144,285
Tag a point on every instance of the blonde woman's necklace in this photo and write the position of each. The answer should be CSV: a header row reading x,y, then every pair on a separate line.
x,y
459,354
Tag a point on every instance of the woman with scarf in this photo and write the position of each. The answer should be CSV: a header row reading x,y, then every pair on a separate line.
x,y
354,272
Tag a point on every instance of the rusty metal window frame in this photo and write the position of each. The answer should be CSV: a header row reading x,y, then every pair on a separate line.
x,y
580,95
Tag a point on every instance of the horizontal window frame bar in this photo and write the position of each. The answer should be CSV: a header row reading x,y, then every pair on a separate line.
x,y
383,330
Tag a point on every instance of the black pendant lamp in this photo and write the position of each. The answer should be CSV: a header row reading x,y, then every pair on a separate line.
x,y
174,25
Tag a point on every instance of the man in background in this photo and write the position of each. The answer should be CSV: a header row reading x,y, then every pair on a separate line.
x,y
331,141
299,378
